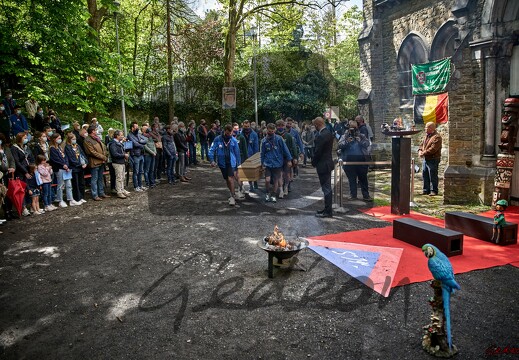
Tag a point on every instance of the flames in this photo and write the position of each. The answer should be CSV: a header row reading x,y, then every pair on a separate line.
x,y
277,239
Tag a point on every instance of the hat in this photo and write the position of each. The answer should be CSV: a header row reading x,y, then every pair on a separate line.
x,y
502,202
111,129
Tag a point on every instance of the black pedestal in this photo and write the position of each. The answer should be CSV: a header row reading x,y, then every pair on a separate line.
x,y
400,175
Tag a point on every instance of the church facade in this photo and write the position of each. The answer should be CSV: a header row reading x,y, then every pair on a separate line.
x,y
481,37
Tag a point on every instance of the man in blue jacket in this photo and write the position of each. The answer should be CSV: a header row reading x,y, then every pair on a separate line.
x,y
18,122
274,153
137,155
225,152
251,137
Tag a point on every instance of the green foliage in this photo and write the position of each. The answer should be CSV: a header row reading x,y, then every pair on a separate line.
x,y
53,55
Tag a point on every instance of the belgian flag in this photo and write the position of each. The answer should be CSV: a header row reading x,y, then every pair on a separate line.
x,y
433,108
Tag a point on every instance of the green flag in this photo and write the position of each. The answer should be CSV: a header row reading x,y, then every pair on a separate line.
x,y
432,77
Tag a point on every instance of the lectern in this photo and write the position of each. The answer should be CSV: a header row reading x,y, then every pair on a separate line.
x,y
400,170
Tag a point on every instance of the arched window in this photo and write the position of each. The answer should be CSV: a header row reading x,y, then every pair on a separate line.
x,y
444,43
412,51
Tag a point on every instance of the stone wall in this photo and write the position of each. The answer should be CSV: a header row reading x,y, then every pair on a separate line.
x,y
468,175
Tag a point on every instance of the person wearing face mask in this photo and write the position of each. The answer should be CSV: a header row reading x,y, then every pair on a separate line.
x,y
7,167
252,141
37,122
22,158
60,165
55,122
5,124
225,153
202,136
170,152
274,155
41,146
150,152
242,145
99,128
292,129
137,155
77,162
18,122
9,103
97,157
287,166
181,145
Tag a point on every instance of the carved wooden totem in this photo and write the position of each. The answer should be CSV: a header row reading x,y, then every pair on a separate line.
x,y
506,157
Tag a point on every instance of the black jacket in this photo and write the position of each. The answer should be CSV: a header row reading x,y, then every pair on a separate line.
x,y
116,149
322,159
180,142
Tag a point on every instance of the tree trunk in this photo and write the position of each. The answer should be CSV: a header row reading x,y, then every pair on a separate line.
x,y
171,100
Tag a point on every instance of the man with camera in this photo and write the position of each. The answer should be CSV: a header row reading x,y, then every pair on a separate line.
x,y
354,147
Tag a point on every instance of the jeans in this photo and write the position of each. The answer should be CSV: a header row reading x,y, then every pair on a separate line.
x,y
149,177
46,193
192,153
67,184
97,182
430,175
204,149
170,167
138,170
360,172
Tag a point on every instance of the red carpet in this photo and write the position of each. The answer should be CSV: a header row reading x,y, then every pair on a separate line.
x,y
477,254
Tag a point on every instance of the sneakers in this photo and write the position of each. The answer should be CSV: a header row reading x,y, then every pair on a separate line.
x,y
122,196
50,208
125,192
62,204
232,201
240,195
75,203
25,212
82,201
267,198
285,190
281,193
139,189
273,199
144,188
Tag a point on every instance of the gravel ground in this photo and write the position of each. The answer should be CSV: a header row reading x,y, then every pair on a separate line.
x,y
175,273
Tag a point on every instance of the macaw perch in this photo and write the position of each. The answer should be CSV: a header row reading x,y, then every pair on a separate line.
x,y
437,339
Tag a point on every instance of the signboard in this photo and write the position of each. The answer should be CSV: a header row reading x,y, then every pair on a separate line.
x,y
229,98
432,77
332,112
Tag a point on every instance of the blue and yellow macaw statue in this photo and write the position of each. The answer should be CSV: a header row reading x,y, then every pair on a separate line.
x,y
441,270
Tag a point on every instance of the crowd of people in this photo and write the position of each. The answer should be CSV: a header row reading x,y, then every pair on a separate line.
x,y
59,165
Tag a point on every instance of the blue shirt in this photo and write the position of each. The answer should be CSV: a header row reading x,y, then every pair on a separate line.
x,y
274,152
218,149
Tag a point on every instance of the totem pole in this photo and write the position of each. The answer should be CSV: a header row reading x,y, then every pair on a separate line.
x,y
506,157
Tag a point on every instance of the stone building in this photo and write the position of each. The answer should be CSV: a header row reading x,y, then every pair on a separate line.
x,y
482,39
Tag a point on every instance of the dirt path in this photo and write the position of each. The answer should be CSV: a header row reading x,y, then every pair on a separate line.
x,y
175,273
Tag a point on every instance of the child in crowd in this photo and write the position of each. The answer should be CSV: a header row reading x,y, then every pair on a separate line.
x,y
33,189
45,171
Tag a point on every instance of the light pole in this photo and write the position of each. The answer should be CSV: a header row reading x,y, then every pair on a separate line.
x,y
254,34
123,110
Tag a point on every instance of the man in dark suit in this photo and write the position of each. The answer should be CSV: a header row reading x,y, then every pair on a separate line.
x,y
323,163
